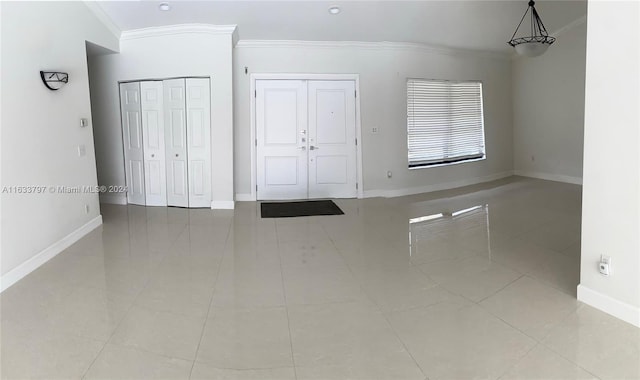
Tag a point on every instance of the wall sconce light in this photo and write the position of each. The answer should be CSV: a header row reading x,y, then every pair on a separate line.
x,y
54,80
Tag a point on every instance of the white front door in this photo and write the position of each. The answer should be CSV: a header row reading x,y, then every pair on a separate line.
x,y
176,142
305,139
132,139
281,139
199,141
332,139
154,153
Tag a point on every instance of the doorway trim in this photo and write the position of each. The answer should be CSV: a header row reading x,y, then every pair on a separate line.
x,y
328,77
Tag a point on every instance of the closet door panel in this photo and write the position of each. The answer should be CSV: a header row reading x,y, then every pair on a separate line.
x,y
132,138
175,140
198,111
154,143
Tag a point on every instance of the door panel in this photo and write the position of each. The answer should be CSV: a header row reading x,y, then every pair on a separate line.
x,y
281,134
175,140
199,141
132,136
179,188
281,171
154,144
332,139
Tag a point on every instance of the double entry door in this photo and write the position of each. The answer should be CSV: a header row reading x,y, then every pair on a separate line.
x,y
166,132
305,139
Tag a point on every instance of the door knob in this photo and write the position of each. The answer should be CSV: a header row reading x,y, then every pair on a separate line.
x,y
176,154
153,155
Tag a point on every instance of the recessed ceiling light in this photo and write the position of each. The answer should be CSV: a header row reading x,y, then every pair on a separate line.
x,y
164,7
334,10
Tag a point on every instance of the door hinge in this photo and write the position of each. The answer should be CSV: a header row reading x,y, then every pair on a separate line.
x,y
355,93
256,142
255,93
356,185
356,141
256,187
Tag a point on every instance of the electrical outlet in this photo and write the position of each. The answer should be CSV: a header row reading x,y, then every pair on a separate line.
x,y
605,265
374,130
86,209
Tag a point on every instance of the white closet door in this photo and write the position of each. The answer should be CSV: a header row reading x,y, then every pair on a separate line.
x,y
281,133
199,141
176,142
332,139
153,139
132,141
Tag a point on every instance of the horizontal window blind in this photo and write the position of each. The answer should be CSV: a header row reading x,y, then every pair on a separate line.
x,y
444,122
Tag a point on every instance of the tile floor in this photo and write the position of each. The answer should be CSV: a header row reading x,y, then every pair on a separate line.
x,y
472,283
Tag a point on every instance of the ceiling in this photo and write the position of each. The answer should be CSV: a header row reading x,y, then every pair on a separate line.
x,y
466,24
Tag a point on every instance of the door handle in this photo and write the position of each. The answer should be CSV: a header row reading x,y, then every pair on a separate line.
x,y
302,147
313,147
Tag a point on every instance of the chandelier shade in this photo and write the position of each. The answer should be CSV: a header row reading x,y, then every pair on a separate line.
x,y
539,40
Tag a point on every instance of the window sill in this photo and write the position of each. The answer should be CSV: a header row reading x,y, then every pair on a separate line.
x,y
428,166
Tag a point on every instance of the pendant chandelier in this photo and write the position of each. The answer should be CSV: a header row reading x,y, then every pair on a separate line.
x,y
539,40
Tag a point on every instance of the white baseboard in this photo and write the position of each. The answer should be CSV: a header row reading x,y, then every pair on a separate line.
x,y
114,199
222,205
47,254
619,309
244,197
436,187
550,177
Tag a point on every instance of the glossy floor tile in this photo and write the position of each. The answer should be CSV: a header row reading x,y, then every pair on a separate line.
x,y
472,283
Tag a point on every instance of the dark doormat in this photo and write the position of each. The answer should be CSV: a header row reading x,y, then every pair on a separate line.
x,y
292,209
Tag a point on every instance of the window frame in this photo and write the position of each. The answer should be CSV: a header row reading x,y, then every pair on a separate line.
x,y
444,161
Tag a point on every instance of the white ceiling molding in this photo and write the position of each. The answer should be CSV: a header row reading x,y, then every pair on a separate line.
x,y
569,26
407,46
177,29
103,17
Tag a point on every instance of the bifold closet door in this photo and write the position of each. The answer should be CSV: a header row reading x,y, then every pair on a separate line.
x,y
153,142
176,142
198,141
132,139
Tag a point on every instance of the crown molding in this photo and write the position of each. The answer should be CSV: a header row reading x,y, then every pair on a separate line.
x,y
97,11
401,46
569,26
169,30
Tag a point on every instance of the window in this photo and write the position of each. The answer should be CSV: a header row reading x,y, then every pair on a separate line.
x,y
445,123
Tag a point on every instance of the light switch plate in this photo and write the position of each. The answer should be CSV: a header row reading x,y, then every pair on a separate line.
x,y
82,150
84,122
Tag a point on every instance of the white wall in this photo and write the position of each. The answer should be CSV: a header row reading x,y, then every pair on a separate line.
x,y
40,128
171,52
383,71
611,190
548,109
